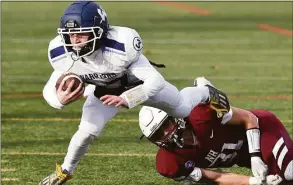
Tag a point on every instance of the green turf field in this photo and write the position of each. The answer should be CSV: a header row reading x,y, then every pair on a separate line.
x,y
252,65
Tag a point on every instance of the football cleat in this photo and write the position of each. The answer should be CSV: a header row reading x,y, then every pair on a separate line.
x,y
56,178
217,100
201,81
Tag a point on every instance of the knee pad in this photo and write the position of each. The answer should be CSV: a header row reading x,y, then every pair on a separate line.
x,y
288,174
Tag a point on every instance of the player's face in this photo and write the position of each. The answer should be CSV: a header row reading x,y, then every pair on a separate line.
x,y
79,39
164,132
169,134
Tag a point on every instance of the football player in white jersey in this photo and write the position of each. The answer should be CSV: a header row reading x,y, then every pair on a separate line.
x,y
110,60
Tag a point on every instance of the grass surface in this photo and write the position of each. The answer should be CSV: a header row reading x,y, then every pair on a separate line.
x,y
252,65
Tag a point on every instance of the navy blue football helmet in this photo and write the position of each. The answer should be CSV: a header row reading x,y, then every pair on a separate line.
x,y
83,17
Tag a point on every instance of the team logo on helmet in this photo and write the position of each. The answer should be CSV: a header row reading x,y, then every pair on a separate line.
x,y
137,43
189,164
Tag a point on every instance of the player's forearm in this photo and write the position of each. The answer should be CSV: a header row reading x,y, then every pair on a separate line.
x,y
154,82
49,91
51,97
243,117
225,178
153,85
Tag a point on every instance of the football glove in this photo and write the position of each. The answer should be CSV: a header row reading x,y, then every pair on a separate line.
x,y
259,168
273,179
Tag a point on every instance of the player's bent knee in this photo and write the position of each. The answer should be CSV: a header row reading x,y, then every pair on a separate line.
x,y
83,138
288,174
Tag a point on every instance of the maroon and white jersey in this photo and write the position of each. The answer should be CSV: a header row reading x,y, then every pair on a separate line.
x,y
224,145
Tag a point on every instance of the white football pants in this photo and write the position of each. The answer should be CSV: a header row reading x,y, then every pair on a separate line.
x,y
95,115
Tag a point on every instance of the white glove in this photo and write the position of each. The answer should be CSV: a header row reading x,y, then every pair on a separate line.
x,y
259,168
255,181
201,81
273,179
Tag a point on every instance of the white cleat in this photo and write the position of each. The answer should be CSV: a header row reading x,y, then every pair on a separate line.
x,y
58,177
201,81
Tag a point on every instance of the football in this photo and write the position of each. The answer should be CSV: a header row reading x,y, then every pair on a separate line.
x,y
68,77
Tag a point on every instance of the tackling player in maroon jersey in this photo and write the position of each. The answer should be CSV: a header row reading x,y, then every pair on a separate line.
x,y
254,139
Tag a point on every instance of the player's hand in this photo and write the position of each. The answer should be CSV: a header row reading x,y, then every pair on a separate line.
x,y
259,168
255,181
114,100
67,96
273,179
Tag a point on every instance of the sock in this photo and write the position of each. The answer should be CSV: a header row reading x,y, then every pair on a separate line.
x,y
189,98
77,148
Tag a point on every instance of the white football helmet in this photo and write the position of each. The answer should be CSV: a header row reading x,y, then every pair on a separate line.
x,y
150,119
160,128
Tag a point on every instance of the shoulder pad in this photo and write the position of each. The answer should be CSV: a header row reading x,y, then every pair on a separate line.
x,y
56,53
126,42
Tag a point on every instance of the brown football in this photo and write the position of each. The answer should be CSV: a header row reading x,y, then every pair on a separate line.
x,y
68,78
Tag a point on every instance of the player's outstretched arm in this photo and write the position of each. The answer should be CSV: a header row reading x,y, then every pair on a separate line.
x,y
153,83
250,122
221,178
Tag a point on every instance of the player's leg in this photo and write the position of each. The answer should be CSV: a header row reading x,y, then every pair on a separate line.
x,y
178,104
94,117
276,145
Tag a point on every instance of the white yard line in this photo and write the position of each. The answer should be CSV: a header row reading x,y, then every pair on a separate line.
x,y
88,154
9,179
8,170
65,120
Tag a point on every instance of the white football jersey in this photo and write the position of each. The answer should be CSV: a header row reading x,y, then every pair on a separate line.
x,y
121,47
119,56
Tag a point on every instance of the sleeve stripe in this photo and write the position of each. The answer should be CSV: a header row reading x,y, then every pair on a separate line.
x,y
114,44
57,52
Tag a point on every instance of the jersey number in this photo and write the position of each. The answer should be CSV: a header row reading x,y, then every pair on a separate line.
x,y
223,157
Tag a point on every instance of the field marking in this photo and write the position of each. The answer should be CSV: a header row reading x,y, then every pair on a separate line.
x,y
276,29
189,8
197,10
9,179
65,119
8,170
78,119
88,154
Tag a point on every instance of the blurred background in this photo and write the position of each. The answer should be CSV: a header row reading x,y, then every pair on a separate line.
x,y
243,48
